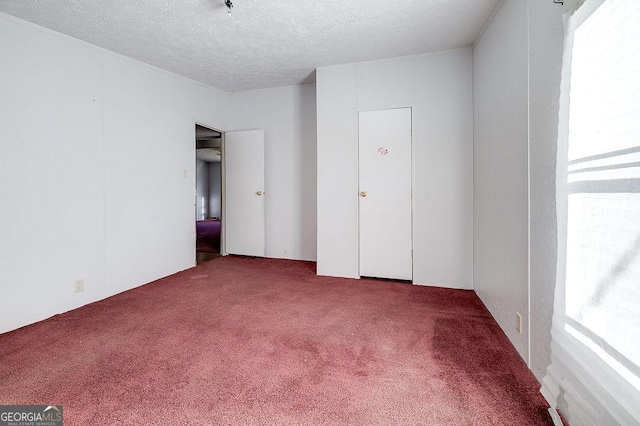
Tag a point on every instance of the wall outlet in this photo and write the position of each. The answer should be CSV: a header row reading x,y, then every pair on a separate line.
x,y
518,322
78,285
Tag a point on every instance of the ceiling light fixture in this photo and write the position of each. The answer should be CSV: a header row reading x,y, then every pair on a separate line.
x,y
229,5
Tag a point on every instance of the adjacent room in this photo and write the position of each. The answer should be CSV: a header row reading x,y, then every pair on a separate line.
x,y
208,193
365,212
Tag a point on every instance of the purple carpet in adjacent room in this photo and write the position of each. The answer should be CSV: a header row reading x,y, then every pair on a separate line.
x,y
208,236
262,341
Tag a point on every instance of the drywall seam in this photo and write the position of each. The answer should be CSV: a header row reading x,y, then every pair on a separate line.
x,y
528,316
103,144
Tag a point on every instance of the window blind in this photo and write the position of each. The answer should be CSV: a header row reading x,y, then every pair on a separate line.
x,y
594,376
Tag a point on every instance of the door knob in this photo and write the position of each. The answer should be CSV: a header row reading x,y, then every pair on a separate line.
x,y
259,193
363,194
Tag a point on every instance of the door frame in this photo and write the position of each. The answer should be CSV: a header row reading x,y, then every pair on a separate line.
x,y
223,191
223,198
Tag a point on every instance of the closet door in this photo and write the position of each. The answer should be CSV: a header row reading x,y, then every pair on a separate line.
x,y
385,194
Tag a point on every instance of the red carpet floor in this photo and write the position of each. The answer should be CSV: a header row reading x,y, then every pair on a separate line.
x,y
259,341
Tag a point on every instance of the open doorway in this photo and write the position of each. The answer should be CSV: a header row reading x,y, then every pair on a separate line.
x,y
208,193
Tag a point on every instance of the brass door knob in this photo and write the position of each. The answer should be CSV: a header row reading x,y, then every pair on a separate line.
x,y
363,194
259,193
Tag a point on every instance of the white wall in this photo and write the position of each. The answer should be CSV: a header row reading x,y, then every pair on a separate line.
x,y
501,170
288,117
215,189
517,77
546,38
438,87
78,126
337,163
202,190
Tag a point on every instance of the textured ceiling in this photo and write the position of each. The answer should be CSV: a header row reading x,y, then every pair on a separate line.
x,y
262,43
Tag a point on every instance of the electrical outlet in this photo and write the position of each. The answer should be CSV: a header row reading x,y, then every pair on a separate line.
x,y
518,322
78,285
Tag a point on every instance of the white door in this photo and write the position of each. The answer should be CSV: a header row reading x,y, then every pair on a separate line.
x,y
385,194
244,218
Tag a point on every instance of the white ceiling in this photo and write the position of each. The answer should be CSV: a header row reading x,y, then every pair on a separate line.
x,y
208,145
209,155
262,43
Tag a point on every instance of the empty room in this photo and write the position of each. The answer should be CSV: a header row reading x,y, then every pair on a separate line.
x,y
224,212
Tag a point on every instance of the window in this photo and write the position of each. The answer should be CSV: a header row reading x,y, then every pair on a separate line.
x,y
594,377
